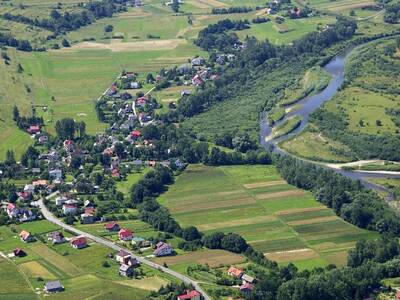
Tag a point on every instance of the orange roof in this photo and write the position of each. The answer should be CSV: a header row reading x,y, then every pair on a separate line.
x,y
235,271
24,234
40,182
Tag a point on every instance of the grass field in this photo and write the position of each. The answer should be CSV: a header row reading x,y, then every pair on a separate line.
x,y
80,271
305,144
273,216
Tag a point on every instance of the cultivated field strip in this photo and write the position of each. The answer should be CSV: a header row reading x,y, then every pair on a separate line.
x,y
278,219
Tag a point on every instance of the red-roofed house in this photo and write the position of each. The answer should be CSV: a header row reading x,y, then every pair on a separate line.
x,y
115,173
12,210
247,287
90,210
33,129
197,81
69,208
190,295
79,242
235,272
125,235
135,134
398,295
113,226
141,101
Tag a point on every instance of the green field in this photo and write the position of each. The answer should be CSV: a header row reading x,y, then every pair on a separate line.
x,y
80,271
283,222
305,144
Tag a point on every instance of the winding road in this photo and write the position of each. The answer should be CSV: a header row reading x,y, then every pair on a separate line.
x,y
305,107
51,218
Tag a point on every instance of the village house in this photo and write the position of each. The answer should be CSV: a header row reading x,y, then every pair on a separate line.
x,y
112,227
125,235
55,174
197,80
12,210
247,278
198,61
33,129
122,256
29,188
87,218
140,242
56,237
235,272
246,288
69,145
26,237
79,242
24,196
163,249
18,252
40,183
26,215
53,287
60,200
190,295
126,270
69,209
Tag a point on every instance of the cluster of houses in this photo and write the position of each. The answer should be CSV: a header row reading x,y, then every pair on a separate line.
x,y
128,263
21,214
247,281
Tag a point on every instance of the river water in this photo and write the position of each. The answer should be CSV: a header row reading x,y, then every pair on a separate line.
x,y
305,107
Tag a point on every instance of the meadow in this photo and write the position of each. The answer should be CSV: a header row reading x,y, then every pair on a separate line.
x,y
80,271
285,223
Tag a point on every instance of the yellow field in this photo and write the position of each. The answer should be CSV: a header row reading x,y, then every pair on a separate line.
x,y
35,269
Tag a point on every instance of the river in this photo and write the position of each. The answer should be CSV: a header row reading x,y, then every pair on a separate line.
x,y
305,107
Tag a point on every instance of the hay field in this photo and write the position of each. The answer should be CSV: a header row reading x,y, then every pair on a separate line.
x,y
274,217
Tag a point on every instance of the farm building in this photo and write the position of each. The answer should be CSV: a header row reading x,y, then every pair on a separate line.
x,y
53,287
235,272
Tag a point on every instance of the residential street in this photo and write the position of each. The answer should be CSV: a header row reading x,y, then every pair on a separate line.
x,y
51,218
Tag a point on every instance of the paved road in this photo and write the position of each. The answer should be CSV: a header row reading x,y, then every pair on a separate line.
x,y
50,217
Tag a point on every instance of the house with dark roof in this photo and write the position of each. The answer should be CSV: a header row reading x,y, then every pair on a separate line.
x,y
113,226
19,252
53,287
126,270
56,237
87,218
163,249
26,237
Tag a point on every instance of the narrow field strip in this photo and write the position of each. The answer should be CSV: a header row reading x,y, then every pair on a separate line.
x,y
35,269
54,258
207,206
213,258
263,184
292,255
312,221
280,194
239,222
299,210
